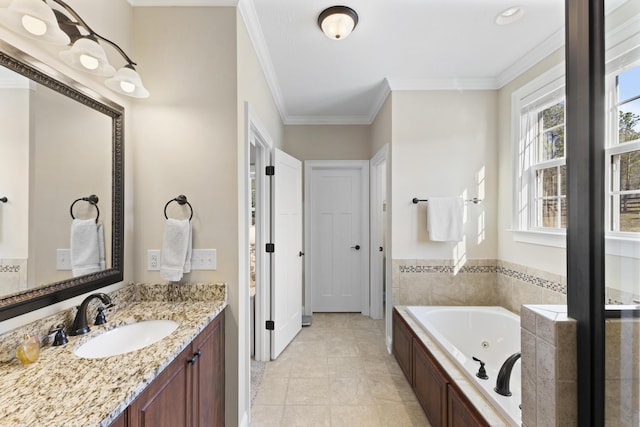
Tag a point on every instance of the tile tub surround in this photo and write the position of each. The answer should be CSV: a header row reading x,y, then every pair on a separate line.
x,y
549,376
60,389
477,282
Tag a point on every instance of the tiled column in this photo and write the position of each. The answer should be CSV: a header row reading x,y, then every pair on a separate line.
x,y
549,378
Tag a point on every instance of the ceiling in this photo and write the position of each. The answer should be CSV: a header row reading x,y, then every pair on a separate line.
x,y
397,45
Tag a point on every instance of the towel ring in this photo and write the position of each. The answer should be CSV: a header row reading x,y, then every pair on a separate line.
x,y
93,199
181,200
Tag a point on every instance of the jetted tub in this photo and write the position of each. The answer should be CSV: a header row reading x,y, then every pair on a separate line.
x,y
489,333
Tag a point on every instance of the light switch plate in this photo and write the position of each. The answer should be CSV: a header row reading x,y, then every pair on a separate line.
x,y
204,259
63,259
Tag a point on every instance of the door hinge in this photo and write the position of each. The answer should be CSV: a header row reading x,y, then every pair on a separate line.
x,y
271,248
270,170
270,325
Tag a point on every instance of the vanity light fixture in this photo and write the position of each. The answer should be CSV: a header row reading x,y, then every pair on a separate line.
x,y
37,20
510,15
337,22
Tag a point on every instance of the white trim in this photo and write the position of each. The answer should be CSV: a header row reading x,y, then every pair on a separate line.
x,y
615,244
444,84
327,120
309,167
531,58
258,134
249,15
377,239
182,3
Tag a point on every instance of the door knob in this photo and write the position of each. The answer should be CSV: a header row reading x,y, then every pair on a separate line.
x,y
356,247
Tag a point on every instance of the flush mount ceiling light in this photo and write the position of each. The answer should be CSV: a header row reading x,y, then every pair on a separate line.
x,y
337,22
37,20
510,15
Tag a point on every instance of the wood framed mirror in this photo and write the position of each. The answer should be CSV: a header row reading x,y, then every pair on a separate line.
x,y
75,150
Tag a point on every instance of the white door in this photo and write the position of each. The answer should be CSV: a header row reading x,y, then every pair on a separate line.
x,y
338,237
286,284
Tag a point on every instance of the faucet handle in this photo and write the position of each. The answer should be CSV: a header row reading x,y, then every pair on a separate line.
x,y
60,337
100,317
482,372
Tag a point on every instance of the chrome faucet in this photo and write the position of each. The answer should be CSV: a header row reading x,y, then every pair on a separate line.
x,y
504,375
80,322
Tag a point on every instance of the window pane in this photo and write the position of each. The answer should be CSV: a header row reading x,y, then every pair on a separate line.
x,y
553,144
629,212
628,84
551,140
563,213
629,121
547,182
549,213
563,180
553,116
626,176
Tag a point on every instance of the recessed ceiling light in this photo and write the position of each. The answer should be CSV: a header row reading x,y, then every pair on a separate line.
x,y
510,15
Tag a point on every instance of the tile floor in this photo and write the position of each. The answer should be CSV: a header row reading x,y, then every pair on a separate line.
x,y
336,372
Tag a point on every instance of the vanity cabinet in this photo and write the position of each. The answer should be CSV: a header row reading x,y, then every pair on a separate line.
x,y
190,391
442,402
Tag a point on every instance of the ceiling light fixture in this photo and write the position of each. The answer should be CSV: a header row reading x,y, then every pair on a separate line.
x,y
37,20
337,22
510,15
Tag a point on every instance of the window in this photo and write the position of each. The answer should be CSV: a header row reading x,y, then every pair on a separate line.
x,y
539,128
623,152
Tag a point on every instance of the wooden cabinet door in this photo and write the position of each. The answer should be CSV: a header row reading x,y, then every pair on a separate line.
x,y
430,385
166,402
460,412
208,376
121,421
402,345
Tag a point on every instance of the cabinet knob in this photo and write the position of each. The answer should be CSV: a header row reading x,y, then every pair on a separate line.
x,y
197,354
193,360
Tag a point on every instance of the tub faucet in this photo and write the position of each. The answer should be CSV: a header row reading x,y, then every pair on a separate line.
x,y
504,375
80,322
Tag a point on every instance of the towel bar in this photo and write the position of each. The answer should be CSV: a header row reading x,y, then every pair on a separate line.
x,y
475,200
181,200
93,199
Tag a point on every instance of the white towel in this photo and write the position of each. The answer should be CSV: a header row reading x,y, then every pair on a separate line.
x,y
101,257
175,256
85,247
444,218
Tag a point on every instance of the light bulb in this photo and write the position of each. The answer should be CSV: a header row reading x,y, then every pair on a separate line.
x,y
35,26
89,62
127,87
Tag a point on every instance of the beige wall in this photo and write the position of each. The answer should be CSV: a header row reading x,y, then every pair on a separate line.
x,y
444,144
185,141
328,142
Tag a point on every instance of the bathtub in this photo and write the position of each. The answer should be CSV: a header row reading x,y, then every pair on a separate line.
x,y
489,333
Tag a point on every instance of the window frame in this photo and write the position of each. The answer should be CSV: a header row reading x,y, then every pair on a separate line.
x,y
544,91
613,148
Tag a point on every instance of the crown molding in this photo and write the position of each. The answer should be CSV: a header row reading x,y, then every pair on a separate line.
x,y
531,58
443,84
182,3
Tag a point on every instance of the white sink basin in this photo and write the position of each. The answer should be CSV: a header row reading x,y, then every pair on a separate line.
x,y
126,338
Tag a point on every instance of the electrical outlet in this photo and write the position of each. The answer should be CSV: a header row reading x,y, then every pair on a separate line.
x,y
203,259
63,259
153,260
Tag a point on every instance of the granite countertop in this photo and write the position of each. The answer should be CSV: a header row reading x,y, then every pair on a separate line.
x,y
62,389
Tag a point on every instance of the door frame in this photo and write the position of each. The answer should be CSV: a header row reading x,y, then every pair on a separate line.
x,y
257,134
309,167
379,161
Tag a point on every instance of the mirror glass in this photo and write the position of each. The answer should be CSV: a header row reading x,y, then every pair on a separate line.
x,y
60,144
